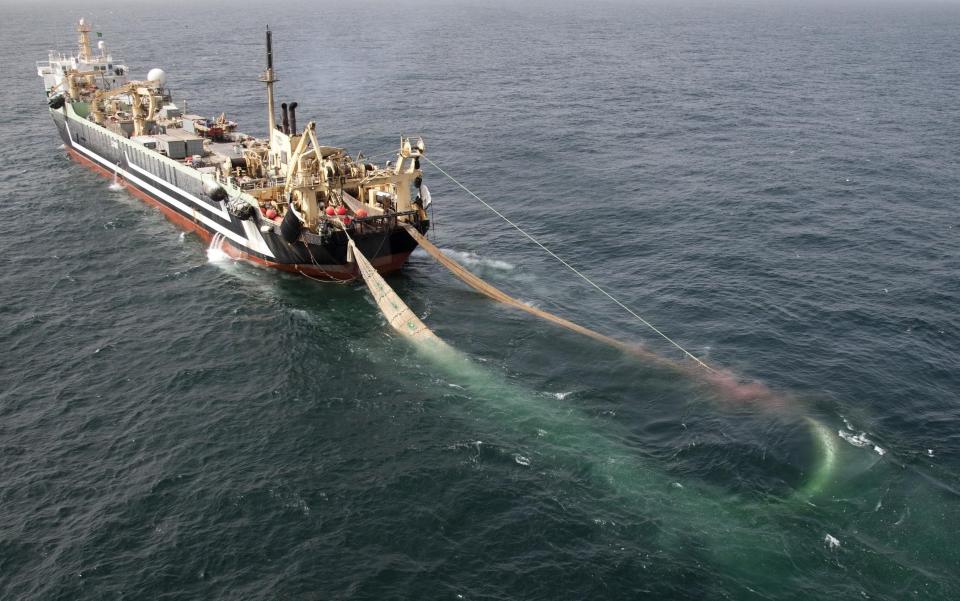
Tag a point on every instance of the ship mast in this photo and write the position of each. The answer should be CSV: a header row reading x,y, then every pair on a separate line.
x,y
268,78
84,30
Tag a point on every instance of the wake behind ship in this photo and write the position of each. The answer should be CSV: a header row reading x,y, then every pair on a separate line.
x,y
283,201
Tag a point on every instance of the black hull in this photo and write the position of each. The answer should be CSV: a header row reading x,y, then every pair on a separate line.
x,y
179,193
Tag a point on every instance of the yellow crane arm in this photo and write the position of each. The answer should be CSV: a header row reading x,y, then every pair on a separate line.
x,y
294,162
132,88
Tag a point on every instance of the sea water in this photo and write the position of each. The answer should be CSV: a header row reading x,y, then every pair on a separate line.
x,y
772,182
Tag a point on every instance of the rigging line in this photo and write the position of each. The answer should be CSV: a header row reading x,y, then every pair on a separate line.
x,y
313,260
381,154
572,268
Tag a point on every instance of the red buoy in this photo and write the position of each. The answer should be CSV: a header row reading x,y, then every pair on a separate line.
x,y
331,212
271,214
361,213
347,220
341,210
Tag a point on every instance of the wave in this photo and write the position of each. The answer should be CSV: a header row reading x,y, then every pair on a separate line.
x,y
475,260
859,440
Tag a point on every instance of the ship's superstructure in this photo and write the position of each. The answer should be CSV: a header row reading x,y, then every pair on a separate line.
x,y
283,201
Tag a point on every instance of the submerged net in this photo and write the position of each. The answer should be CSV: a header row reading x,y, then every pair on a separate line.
x,y
498,295
726,383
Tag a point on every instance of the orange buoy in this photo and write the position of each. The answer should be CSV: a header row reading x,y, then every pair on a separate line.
x,y
361,213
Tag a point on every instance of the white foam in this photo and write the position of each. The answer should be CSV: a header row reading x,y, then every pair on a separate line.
x,y
466,444
521,460
116,186
215,252
861,440
831,541
474,259
858,440
562,395
291,500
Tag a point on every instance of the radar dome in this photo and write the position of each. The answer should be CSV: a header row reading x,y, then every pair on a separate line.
x,y
101,44
157,75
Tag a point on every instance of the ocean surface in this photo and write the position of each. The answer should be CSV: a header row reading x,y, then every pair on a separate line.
x,y
772,185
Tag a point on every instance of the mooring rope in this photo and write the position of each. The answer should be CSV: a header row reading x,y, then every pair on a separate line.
x,y
572,268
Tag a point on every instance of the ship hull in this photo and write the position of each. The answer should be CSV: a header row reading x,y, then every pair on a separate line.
x,y
178,192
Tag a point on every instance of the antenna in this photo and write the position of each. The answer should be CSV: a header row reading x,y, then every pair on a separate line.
x,y
269,78
269,48
83,28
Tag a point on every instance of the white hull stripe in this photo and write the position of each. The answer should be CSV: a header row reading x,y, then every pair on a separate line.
x,y
261,247
219,211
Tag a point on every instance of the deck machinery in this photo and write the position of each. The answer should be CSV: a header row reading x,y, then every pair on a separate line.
x,y
286,201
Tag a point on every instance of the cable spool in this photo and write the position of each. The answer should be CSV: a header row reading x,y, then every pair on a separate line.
x,y
241,209
215,191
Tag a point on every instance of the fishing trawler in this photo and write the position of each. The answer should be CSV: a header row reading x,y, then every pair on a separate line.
x,y
286,201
